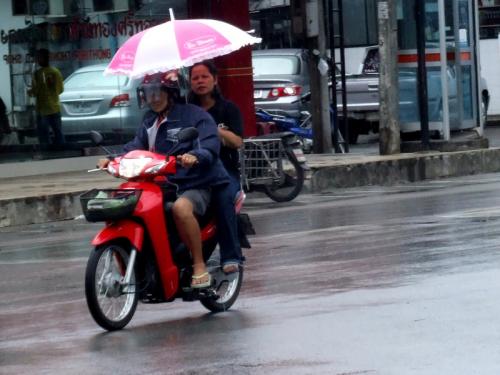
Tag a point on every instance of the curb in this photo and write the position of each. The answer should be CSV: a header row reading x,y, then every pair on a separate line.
x,y
404,169
41,209
325,175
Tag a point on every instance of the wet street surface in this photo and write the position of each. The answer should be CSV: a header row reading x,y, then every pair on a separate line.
x,y
372,280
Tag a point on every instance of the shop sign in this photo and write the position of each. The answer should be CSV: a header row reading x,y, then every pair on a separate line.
x,y
76,30
79,54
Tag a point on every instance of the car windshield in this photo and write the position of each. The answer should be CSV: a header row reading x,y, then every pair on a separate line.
x,y
275,65
94,79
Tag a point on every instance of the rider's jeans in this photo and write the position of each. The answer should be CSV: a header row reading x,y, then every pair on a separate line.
x,y
227,227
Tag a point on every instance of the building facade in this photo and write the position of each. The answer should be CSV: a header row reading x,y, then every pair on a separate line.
x,y
83,33
80,33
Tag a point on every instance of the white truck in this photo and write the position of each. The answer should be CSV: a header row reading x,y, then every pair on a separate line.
x,y
362,91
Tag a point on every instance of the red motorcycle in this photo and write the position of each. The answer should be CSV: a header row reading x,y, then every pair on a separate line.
x,y
138,254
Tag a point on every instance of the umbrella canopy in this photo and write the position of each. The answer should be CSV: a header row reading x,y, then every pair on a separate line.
x,y
176,44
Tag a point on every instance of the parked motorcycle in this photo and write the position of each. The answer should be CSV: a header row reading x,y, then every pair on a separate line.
x,y
268,123
274,164
278,121
138,255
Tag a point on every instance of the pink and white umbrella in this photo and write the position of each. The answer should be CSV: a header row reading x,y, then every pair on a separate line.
x,y
176,44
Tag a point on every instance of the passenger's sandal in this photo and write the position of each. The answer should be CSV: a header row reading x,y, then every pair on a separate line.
x,y
200,285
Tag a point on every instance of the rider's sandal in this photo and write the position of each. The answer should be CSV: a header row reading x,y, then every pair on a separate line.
x,y
206,284
229,268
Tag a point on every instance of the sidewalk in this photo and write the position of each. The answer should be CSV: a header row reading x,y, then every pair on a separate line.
x,y
48,190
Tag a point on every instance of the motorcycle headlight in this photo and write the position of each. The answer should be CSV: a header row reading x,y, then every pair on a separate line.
x,y
132,167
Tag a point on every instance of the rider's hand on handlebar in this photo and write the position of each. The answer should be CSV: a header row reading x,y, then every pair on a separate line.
x,y
187,160
102,163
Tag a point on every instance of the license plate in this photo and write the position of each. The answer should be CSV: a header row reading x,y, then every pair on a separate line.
x,y
82,107
257,94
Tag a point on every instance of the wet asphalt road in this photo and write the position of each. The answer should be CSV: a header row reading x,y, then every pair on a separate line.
x,y
373,280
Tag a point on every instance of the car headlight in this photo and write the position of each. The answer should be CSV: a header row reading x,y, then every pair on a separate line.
x,y
132,167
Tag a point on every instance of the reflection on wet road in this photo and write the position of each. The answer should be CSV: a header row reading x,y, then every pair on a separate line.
x,y
375,280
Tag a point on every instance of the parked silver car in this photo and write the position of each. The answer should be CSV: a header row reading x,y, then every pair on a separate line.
x,y
280,77
93,101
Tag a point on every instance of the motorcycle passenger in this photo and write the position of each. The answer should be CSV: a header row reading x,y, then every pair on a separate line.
x,y
206,94
200,171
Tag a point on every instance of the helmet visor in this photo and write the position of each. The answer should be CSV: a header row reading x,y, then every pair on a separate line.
x,y
146,92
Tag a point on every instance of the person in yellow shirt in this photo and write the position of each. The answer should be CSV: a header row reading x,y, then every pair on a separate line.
x,y
47,85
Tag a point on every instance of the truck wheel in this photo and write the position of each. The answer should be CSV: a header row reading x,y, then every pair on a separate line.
x,y
484,107
353,132
353,135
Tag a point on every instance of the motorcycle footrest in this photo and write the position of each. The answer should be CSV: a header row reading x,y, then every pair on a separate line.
x,y
208,293
190,294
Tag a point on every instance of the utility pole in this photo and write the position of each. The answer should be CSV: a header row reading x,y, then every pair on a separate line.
x,y
320,103
389,128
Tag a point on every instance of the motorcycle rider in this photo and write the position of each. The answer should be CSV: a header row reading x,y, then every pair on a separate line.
x,y
200,171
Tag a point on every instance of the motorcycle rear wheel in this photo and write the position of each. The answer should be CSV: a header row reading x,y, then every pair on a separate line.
x,y
293,182
227,287
110,303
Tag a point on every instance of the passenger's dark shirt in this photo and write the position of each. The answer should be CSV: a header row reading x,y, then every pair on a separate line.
x,y
227,113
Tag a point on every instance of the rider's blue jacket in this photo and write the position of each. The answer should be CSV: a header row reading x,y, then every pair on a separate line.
x,y
209,171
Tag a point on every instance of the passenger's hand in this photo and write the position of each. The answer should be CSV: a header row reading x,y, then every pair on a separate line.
x,y
187,160
102,163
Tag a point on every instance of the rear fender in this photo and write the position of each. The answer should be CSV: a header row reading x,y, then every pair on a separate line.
x,y
126,229
245,228
297,153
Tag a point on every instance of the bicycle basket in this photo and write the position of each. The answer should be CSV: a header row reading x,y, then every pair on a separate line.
x,y
261,158
109,204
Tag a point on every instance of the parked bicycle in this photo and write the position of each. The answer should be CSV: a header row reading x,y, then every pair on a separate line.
x,y
274,164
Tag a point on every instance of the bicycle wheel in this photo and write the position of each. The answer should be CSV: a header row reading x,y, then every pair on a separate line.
x,y
291,183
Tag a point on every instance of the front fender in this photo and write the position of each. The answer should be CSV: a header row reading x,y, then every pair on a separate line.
x,y
127,229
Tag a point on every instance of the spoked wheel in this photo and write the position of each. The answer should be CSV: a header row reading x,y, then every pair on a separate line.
x,y
111,302
227,287
292,182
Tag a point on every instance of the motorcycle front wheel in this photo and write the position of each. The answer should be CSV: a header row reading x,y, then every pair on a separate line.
x,y
292,182
111,303
227,287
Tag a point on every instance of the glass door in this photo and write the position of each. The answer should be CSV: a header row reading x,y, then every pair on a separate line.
x,y
461,44
437,92
450,57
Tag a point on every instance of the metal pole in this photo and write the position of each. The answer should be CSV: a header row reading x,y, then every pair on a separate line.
x,y
331,43
444,73
422,74
476,61
345,123
315,33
